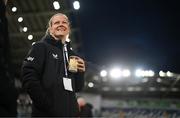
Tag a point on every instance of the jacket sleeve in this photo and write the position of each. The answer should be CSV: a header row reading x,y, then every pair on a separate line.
x,y
31,74
79,81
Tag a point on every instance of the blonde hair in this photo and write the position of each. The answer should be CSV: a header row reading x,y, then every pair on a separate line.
x,y
50,21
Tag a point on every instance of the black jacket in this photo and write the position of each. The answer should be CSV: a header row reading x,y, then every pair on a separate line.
x,y
42,73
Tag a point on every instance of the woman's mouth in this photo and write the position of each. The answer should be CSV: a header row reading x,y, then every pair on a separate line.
x,y
61,29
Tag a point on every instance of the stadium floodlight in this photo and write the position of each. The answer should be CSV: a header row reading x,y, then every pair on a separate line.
x,y
139,73
76,5
103,73
30,37
20,19
162,74
25,29
90,85
169,74
14,9
56,5
126,73
149,73
115,73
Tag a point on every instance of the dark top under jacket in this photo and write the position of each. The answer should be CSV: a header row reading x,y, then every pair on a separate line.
x,y
42,74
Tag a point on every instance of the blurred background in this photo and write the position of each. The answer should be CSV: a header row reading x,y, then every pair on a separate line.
x,y
131,49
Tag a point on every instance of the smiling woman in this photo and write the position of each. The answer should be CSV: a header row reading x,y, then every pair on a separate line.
x,y
46,77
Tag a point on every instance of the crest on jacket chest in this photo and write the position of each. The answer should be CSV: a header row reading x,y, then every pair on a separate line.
x,y
30,58
55,56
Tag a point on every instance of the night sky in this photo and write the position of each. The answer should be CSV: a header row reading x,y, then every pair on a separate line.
x,y
131,33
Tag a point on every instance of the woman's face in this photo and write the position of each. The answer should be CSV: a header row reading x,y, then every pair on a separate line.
x,y
59,26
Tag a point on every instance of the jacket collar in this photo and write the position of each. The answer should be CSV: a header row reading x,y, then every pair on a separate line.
x,y
50,40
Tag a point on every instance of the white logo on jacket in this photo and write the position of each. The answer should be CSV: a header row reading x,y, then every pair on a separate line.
x,y
30,58
55,56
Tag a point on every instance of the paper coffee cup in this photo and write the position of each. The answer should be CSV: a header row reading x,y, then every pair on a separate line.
x,y
73,64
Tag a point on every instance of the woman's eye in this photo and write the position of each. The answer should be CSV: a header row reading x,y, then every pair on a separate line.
x,y
56,23
65,22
